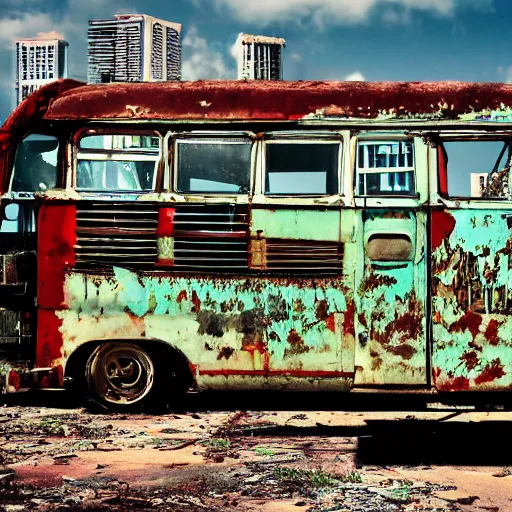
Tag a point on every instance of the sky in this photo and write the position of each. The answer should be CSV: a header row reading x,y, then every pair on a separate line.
x,y
409,40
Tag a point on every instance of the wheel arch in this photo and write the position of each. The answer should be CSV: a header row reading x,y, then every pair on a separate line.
x,y
74,371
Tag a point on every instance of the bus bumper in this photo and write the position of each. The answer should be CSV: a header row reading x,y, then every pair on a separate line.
x,y
14,379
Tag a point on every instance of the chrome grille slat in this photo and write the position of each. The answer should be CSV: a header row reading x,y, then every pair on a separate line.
x,y
197,225
305,257
117,235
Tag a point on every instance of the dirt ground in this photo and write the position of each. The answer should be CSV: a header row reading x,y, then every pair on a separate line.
x,y
283,454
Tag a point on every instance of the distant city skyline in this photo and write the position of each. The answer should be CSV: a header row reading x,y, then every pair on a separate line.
x,y
430,40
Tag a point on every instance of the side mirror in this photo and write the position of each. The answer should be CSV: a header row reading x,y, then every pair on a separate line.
x,y
11,211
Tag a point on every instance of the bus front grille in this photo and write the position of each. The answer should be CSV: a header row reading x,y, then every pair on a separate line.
x,y
119,234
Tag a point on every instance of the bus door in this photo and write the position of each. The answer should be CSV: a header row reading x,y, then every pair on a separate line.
x,y
390,195
471,264
296,239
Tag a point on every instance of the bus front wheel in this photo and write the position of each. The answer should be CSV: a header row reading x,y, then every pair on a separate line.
x,y
121,376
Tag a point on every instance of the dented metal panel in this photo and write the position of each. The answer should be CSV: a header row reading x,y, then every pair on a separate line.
x,y
471,299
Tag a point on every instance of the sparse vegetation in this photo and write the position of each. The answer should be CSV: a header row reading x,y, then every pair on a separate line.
x,y
313,478
263,450
216,443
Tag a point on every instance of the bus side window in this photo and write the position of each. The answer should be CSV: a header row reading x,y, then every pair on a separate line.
x,y
35,165
117,162
478,168
385,168
305,168
213,166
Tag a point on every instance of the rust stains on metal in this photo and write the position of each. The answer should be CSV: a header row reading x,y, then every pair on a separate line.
x,y
470,359
494,370
470,321
296,344
225,353
277,100
491,332
374,281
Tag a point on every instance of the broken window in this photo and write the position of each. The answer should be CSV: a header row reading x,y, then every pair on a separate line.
x,y
213,166
475,168
125,163
302,168
35,165
385,168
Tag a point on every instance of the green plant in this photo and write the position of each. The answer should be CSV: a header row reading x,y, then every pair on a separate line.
x,y
352,477
262,450
216,443
313,478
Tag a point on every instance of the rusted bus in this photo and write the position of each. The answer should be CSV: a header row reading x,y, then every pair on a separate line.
x,y
290,235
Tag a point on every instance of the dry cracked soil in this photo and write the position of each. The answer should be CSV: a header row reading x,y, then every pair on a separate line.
x,y
241,454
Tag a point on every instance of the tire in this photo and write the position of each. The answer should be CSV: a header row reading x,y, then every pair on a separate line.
x,y
121,376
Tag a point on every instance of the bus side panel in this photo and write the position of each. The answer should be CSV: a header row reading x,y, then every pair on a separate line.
x,y
472,299
225,326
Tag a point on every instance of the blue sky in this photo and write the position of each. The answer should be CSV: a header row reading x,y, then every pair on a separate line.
x,y
466,40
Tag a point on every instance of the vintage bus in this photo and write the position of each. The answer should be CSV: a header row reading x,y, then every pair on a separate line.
x,y
255,235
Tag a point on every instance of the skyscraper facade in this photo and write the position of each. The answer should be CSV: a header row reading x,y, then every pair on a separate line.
x,y
133,48
39,61
259,57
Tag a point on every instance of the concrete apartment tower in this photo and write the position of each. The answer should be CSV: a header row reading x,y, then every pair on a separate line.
x,y
39,61
259,57
133,48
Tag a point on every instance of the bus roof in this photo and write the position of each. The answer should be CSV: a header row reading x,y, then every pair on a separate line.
x,y
265,101
278,100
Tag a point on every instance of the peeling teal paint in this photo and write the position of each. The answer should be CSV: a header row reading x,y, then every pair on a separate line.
x,y
471,303
286,318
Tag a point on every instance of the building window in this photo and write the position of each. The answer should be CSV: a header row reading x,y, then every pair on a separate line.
x,y
208,166
305,168
157,57
385,168
122,163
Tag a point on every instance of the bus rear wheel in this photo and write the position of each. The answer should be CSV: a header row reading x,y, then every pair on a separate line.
x,y
121,376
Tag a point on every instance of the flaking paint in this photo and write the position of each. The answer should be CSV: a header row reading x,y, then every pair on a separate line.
x,y
236,325
471,301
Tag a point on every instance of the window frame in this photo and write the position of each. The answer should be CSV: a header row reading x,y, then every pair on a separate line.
x,y
205,137
442,138
59,178
298,139
136,155
375,138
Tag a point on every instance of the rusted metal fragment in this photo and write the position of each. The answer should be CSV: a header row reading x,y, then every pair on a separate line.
x,y
471,303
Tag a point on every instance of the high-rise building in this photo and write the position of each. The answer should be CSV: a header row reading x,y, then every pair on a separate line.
x,y
39,61
479,182
133,48
259,57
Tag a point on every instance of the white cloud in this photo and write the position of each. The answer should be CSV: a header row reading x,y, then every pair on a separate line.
x,y
356,76
322,12
203,60
27,25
